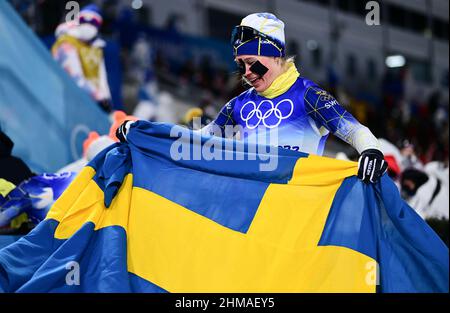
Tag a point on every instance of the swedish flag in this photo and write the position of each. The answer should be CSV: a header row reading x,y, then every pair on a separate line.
x,y
139,220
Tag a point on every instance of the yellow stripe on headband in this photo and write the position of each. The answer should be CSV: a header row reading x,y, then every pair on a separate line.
x,y
243,43
259,45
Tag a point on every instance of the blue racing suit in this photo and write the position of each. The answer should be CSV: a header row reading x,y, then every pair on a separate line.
x,y
303,116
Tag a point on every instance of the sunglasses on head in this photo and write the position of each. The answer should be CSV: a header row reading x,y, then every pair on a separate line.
x,y
245,33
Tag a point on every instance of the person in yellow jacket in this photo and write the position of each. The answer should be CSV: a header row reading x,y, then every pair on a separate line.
x,y
80,52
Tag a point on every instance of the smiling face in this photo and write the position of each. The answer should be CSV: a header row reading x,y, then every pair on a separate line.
x,y
260,84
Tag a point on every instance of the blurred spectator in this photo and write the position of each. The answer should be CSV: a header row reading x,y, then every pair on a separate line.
x,y
109,11
173,23
186,75
147,107
28,204
167,111
409,157
161,63
359,109
142,70
126,27
141,59
219,83
91,147
95,143
194,118
206,104
12,169
426,192
79,51
206,73
332,79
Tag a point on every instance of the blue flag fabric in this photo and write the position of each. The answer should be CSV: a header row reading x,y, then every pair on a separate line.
x,y
139,218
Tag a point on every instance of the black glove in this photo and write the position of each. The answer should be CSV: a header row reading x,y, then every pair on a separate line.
x,y
122,130
371,165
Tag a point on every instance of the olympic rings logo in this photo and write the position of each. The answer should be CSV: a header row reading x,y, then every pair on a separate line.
x,y
262,117
326,97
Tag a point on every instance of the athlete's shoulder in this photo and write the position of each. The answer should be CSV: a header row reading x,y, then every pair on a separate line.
x,y
307,83
318,98
314,91
228,107
230,104
251,92
301,85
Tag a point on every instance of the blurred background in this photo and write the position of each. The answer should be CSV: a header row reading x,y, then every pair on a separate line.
x,y
171,60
